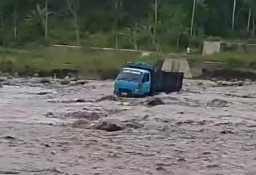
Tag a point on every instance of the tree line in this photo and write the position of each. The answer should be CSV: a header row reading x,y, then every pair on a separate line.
x,y
134,24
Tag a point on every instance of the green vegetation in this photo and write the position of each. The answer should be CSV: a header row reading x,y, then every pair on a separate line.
x,y
103,63
161,26
135,24
230,60
86,61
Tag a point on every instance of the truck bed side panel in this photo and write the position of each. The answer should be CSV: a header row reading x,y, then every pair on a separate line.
x,y
169,82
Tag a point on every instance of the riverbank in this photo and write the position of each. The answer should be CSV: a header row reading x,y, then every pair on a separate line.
x,y
105,64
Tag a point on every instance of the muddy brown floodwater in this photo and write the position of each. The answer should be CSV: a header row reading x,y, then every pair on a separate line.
x,y
49,129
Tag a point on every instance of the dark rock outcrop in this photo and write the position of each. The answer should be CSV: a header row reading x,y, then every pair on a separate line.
x,y
110,125
218,103
154,102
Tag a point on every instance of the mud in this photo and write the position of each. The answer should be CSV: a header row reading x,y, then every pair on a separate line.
x,y
47,128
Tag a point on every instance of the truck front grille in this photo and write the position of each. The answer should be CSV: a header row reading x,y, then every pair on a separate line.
x,y
125,90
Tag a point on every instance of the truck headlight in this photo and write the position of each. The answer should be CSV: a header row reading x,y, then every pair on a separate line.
x,y
136,90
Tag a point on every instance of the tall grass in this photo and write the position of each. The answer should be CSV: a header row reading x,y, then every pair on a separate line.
x,y
86,61
105,63
230,60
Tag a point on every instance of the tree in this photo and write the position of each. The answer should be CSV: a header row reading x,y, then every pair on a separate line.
x,y
192,18
46,20
73,6
233,15
137,24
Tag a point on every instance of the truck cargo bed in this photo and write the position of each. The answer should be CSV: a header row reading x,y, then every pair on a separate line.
x,y
168,81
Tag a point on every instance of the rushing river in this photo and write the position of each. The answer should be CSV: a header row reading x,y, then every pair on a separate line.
x,y
206,129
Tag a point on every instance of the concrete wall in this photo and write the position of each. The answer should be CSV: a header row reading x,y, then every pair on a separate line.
x,y
211,47
177,65
216,47
251,48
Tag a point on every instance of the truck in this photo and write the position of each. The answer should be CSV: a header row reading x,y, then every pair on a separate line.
x,y
139,79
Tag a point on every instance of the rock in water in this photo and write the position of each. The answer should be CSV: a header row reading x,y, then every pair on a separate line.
x,y
65,82
45,80
88,115
133,125
218,103
80,100
109,125
36,75
108,98
42,93
154,102
228,83
2,79
85,124
82,82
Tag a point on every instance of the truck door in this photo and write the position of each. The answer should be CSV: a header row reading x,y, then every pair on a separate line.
x,y
145,89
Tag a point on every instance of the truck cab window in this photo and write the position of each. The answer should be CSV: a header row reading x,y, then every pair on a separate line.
x,y
145,78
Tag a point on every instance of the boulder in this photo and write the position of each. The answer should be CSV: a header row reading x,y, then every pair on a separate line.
x,y
45,81
2,79
65,82
228,83
218,103
84,124
88,115
110,125
36,75
154,102
82,82
108,98
133,125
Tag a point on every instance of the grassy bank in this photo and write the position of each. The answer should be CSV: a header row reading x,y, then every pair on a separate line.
x,y
230,60
100,63
87,62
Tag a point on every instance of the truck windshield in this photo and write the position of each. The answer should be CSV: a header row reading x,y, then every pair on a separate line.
x,y
130,75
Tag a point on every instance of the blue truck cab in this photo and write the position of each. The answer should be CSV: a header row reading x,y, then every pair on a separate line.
x,y
132,81
141,79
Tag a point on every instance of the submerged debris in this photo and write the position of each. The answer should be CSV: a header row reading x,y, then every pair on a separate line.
x,y
2,79
228,83
9,138
89,115
85,114
154,102
80,82
80,100
250,95
42,93
84,124
50,115
9,172
108,98
112,125
65,82
218,103
227,132
45,81
133,125
109,125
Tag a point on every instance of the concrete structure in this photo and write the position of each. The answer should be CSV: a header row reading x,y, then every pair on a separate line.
x,y
177,65
211,47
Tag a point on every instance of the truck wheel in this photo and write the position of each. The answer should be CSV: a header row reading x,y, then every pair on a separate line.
x,y
151,94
